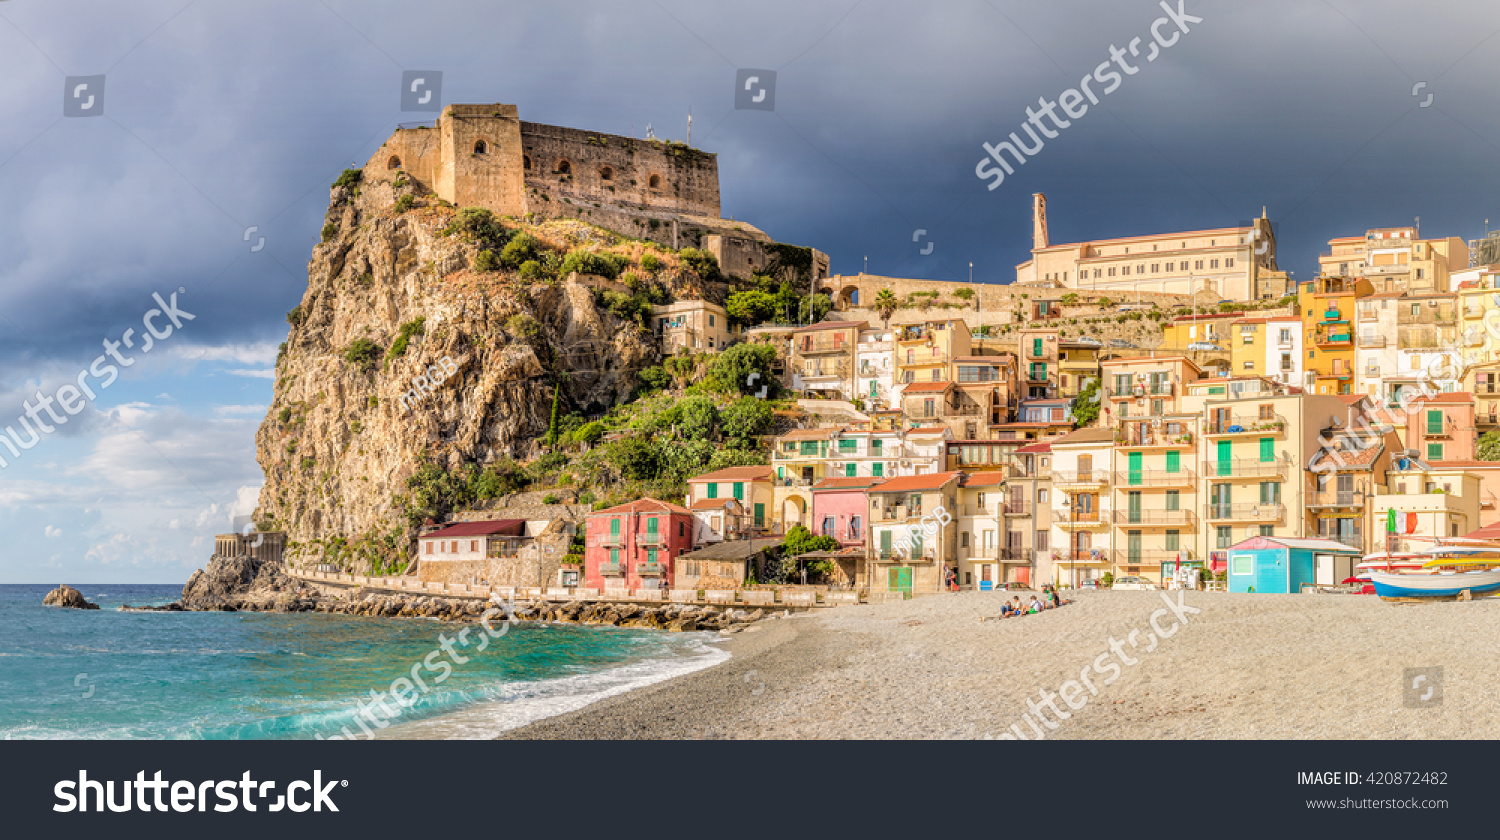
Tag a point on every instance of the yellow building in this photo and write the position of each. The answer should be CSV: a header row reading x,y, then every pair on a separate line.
x,y
1077,365
926,350
1248,339
1328,311
1445,501
1395,260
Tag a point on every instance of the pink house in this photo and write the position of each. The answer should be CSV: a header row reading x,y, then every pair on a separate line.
x,y
839,508
634,545
1441,427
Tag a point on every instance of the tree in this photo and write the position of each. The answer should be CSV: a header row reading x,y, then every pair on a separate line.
x,y
1489,446
751,308
744,369
744,420
1086,405
886,304
698,419
800,541
635,458
813,308
1069,299
654,378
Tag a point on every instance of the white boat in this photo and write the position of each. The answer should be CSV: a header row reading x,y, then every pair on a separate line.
x,y
1435,585
1381,561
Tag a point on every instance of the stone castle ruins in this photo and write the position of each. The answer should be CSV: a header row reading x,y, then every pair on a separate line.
x,y
486,156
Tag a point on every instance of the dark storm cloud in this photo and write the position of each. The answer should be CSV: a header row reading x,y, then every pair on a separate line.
x,y
220,116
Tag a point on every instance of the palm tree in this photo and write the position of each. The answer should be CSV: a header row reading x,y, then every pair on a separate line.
x,y
886,304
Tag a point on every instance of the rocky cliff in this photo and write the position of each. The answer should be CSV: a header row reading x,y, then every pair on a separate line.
x,y
394,295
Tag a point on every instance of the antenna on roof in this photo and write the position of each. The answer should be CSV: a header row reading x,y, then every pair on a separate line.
x,y
690,125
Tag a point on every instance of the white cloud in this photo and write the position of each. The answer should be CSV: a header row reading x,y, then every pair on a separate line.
x,y
263,373
51,532
252,410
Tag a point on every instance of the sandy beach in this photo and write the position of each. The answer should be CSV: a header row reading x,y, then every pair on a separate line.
x,y
1245,666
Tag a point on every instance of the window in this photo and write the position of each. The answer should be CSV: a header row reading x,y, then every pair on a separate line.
x,y
1267,449
877,469
1041,540
1434,421
1213,263
481,147
1223,538
1266,531
1198,264
713,490
1242,564
473,545
563,168
1174,459
651,557
1041,496
1434,452
1174,500
739,490
1171,540
1171,266
606,173
454,549
710,320
1270,492
429,546
1229,262
614,556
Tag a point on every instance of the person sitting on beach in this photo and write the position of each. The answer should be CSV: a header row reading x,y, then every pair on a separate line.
x,y
1036,604
1056,599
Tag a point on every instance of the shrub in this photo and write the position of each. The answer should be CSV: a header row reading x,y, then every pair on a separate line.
x,y
588,262
309,463
330,230
744,369
964,293
525,326
744,420
651,262
589,433
362,353
521,248
751,308
285,415
531,270
349,178
702,263
477,224
485,260
655,378
294,317
635,458
405,203
356,426
404,336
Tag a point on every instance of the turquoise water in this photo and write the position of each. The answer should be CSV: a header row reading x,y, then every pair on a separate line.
x,y
112,674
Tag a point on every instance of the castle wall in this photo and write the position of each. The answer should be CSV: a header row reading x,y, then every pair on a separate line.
x,y
611,169
416,149
482,158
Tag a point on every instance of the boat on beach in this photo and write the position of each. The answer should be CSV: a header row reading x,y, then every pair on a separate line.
x,y
1449,571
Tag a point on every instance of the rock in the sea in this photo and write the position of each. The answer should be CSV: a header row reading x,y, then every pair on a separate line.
x,y
228,584
67,596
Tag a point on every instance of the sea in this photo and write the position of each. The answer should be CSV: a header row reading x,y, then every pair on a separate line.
x,y
113,674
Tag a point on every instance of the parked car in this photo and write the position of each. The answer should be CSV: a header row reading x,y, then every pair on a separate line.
x,y
1133,583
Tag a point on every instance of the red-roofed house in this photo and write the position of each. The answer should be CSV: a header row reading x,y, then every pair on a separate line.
x,y
462,552
633,546
840,508
752,486
913,534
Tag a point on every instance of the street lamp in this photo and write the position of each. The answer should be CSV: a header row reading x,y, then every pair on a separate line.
x,y
1072,509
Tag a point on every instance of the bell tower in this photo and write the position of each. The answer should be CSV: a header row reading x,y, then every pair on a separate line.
x,y
1039,238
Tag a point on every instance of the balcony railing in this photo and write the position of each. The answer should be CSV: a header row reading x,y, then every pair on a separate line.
x,y
650,539
1245,468
1247,424
979,510
609,540
822,346
1016,554
1268,512
1355,541
1066,519
1160,389
1335,498
1138,438
1149,556
1154,517
644,569
1372,341
1081,478
1155,478
607,568
1017,508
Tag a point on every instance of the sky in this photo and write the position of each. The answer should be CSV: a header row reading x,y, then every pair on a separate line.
x,y
199,165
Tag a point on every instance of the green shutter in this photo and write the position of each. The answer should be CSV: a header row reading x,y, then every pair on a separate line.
x,y
651,525
850,470
713,489
651,556
614,527
739,490
1174,461
885,542
614,556
1268,449
1036,347
1133,500
1133,464
1224,460
1434,422
1171,540
1434,452
877,469
760,514
847,444
1173,500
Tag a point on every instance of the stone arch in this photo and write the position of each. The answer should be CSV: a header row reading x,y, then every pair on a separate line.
x,y
563,167
848,297
606,173
481,147
654,182
793,512
394,162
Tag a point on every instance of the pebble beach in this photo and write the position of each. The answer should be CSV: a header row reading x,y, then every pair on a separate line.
x,y
947,667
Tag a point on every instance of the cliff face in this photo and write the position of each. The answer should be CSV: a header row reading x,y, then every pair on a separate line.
x,y
339,441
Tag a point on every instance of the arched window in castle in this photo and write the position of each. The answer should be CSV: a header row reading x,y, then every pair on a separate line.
x,y
393,163
654,182
606,174
481,147
563,168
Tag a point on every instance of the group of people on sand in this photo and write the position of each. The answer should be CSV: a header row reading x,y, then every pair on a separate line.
x,y
1048,599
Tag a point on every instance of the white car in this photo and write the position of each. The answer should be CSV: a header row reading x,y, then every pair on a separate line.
x,y
1133,583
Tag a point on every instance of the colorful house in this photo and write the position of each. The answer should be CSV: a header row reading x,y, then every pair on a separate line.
x,y
840,509
910,543
632,546
463,552
1283,565
751,486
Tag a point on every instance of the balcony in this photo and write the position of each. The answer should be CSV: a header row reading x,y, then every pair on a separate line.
x,y
1335,499
608,568
1016,554
1158,389
1037,377
648,569
1136,438
1269,512
1016,508
1129,518
1245,468
1372,341
979,510
1155,478
1355,541
1079,478
608,540
1149,556
897,513
1333,339
1251,425
1087,520
811,347
650,539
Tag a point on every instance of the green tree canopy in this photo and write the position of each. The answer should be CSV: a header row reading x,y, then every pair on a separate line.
x,y
1489,446
744,369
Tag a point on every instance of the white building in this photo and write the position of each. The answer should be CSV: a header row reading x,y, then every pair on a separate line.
x,y
874,378
1375,353
1284,354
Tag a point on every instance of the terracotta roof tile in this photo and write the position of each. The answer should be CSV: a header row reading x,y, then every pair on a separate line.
x,y
751,473
478,529
930,481
643,506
